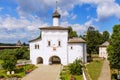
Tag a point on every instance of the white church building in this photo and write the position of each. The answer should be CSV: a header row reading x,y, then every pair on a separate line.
x,y
54,46
103,50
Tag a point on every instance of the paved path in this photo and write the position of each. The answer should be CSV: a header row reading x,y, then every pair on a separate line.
x,y
44,72
105,73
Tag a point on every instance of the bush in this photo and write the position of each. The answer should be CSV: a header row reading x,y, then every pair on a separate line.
x,y
30,67
19,69
14,75
76,67
1,76
114,76
62,75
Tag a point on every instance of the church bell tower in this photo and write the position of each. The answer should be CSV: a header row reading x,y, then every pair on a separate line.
x,y
56,17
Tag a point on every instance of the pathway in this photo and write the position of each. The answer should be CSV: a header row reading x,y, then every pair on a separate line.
x,y
105,73
44,72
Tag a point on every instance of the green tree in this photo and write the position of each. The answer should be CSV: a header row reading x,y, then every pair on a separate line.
x,y
76,67
94,39
9,62
22,53
19,53
106,36
7,52
72,33
114,48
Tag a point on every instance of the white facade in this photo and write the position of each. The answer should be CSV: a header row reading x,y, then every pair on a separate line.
x,y
103,50
55,21
54,45
77,51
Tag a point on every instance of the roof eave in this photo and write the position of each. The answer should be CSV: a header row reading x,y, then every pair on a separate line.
x,y
76,42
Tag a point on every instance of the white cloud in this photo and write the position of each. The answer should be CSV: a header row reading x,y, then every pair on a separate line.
x,y
95,2
79,28
22,28
13,35
104,8
31,11
40,7
107,10
11,23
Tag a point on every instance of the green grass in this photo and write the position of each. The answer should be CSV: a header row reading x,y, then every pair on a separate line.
x,y
65,73
94,69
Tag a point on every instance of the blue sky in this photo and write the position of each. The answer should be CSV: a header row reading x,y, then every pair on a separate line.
x,y
20,19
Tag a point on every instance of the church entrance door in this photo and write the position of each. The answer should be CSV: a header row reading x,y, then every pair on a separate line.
x,y
39,60
54,60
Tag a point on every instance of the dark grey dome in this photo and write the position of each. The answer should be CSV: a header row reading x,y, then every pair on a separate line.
x,y
56,14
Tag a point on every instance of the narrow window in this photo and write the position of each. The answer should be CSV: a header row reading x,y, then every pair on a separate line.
x,y
48,43
35,46
38,46
59,43
71,47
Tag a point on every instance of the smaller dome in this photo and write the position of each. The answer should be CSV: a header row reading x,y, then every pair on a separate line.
x,y
56,14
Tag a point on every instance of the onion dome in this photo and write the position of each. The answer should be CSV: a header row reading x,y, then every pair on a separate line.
x,y
56,14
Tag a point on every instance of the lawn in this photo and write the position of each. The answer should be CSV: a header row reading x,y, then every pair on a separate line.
x,y
94,68
65,75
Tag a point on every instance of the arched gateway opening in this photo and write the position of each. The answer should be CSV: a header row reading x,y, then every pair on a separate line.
x,y
39,60
54,60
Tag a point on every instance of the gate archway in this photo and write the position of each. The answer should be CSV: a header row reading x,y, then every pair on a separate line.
x,y
54,60
39,60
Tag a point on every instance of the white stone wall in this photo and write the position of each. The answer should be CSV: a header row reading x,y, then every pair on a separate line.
x,y
54,36
64,52
46,51
35,53
76,51
103,52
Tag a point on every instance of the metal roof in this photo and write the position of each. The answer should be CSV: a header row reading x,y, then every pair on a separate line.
x,y
76,40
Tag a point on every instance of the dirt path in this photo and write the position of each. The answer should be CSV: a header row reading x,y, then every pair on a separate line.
x,y
105,73
44,72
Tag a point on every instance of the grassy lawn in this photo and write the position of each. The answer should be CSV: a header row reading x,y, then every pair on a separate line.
x,y
94,68
66,75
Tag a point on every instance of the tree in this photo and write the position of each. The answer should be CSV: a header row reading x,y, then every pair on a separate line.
x,y
19,53
22,53
106,36
9,62
24,44
94,39
72,33
114,48
7,52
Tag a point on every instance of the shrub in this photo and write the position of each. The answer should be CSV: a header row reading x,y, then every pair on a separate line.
x,y
19,69
1,76
30,67
76,67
